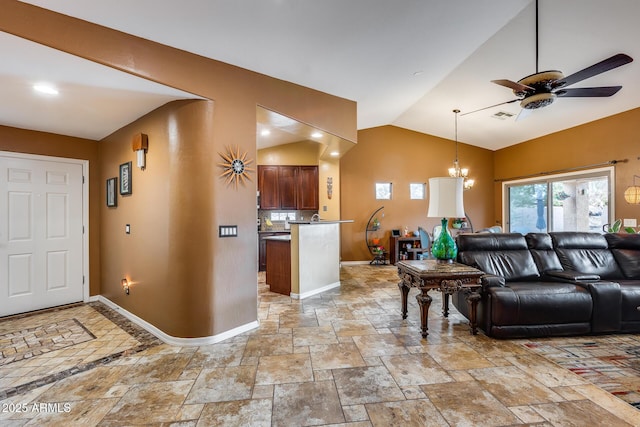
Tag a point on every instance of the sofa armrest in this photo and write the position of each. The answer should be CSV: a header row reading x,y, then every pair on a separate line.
x,y
571,276
492,281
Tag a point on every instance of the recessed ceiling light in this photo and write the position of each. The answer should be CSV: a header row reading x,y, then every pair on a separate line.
x,y
265,132
335,153
316,135
47,89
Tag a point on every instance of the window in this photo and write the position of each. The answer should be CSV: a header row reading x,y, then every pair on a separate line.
x,y
416,191
383,190
568,202
281,216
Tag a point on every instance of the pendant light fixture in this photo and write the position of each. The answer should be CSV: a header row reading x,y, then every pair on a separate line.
x,y
456,171
632,193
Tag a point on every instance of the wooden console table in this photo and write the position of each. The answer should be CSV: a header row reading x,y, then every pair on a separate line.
x,y
446,278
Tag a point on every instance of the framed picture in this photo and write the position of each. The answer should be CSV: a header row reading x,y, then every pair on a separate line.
x,y
112,200
125,178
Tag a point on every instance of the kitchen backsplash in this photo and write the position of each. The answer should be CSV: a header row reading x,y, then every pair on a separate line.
x,y
277,218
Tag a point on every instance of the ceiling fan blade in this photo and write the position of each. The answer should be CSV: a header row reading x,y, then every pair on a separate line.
x,y
589,91
491,106
602,66
513,85
523,114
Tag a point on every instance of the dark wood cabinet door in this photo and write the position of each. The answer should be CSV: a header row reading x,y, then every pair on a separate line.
x,y
268,187
287,186
308,188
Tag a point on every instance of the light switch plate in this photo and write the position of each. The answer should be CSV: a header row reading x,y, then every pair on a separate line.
x,y
630,222
127,229
228,231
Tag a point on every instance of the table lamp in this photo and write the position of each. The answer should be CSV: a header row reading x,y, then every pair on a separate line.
x,y
445,201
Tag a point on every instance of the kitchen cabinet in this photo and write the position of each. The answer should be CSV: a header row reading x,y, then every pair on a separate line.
x,y
278,274
262,247
308,188
288,187
268,187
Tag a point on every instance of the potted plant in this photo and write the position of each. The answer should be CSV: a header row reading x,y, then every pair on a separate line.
x,y
616,227
457,222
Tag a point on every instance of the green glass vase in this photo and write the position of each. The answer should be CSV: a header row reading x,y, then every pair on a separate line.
x,y
444,248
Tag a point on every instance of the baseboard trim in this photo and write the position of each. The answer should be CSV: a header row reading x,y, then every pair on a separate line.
x,y
315,291
171,340
355,262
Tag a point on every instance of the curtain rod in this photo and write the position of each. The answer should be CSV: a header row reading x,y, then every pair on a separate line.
x,y
607,163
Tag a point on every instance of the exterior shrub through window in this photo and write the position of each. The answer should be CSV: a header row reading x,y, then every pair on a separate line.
x,y
579,201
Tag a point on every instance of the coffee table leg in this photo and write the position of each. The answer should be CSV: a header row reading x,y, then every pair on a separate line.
x,y
445,304
404,291
472,300
424,300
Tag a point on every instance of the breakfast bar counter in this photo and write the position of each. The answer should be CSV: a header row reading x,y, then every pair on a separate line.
x,y
314,258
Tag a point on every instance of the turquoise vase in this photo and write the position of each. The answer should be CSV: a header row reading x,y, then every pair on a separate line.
x,y
444,247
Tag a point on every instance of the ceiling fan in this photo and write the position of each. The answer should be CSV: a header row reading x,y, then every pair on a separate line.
x,y
542,88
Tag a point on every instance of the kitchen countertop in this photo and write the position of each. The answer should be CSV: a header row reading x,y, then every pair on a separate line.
x,y
322,221
283,237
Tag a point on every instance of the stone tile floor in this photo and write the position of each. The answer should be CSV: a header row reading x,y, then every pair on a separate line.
x,y
344,357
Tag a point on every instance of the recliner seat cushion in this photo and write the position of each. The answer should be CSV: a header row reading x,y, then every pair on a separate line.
x,y
538,303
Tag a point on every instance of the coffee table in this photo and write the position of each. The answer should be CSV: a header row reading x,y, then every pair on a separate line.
x,y
444,277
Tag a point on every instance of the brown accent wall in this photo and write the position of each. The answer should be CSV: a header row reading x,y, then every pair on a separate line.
x,y
612,138
48,144
168,255
401,156
237,93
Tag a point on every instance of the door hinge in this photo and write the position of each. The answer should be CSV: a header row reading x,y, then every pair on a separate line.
x,y
83,280
83,229
83,179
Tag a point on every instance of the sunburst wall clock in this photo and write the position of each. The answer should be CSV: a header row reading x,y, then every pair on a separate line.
x,y
236,166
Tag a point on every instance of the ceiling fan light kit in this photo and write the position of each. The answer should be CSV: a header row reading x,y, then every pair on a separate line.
x,y
538,100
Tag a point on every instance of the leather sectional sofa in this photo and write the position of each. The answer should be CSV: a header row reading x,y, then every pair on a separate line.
x,y
555,284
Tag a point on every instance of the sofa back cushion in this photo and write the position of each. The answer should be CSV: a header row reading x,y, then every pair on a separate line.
x,y
626,251
586,253
500,254
542,252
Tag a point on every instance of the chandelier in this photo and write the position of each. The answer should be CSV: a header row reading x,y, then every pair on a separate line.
x,y
456,171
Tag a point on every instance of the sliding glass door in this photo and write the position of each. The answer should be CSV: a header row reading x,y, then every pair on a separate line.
x,y
568,202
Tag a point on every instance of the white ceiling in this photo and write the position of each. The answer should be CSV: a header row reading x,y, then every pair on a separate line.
x,y
408,62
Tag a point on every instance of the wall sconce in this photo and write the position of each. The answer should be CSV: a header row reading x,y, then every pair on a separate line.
x,y
140,145
632,193
125,285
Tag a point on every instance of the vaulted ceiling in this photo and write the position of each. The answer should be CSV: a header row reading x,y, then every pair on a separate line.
x,y
407,63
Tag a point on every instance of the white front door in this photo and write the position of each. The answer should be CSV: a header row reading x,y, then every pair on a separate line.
x,y
41,226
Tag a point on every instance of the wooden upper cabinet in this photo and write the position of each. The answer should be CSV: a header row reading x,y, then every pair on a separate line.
x,y
268,187
288,187
308,187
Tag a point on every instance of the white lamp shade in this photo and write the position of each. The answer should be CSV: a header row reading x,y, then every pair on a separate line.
x,y
445,198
